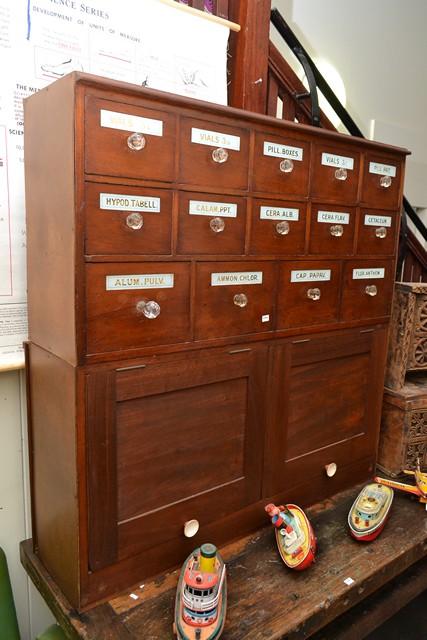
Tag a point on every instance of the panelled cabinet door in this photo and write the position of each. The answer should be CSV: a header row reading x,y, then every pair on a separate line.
x,y
170,442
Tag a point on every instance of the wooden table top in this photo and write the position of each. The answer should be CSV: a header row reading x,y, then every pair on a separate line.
x,y
265,599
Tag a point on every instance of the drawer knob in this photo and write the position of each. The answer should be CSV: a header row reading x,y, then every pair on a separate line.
x,y
336,230
220,155
313,294
385,182
331,469
371,290
381,232
341,174
135,221
217,225
136,141
286,166
240,300
282,228
148,308
191,527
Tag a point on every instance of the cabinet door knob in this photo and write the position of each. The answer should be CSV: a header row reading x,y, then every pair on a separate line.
x,y
148,308
191,527
341,174
371,290
136,141
240,300
286,166
283,228
220,155
313,294
331,469
336,230
135,221
217,225
381,232
385,182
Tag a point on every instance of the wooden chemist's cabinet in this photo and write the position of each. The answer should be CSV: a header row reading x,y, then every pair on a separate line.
x,y
209,296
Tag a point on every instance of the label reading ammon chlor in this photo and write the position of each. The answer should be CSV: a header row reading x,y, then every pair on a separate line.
x,y
367,274
140,281
202,208
278,213
215,139
277,150
121,202
377,221
382,169
128,122
236,277
333,217
313,275
331,160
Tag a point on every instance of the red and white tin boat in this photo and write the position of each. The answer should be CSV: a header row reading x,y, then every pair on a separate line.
x,y
369,512
294,535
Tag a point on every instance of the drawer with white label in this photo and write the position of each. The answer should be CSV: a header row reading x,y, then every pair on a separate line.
x,y
381,181
335,173
367,289
129,141
332,229
377,232
136,304
308,293
281,164
278,227
123,220
213,154
211,224
234,298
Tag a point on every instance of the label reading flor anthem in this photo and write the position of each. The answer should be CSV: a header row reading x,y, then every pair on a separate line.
x,y
202,208
282,151
367,274
121,202
236,277
127,122
140,281
331,160
215,139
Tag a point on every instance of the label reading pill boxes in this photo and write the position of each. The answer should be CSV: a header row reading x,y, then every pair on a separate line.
x,y
382,169
277,150
121,202
236,277
331,160
313,275
127,122
278,213
140,281
215,139
377,221
368,274
333,217
202,208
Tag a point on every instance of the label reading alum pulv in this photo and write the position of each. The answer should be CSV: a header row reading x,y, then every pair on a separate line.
x,y
128,122
122,202
277,150
368,274
140,281
202,208
331,160
236,277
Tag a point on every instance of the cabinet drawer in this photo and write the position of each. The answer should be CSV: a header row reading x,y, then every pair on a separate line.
x,y
119,315
308,293
332,229
123,219
211,224
367,289
382,181
377,232
281,164
234,298
278,227
335,173
129,141
213,154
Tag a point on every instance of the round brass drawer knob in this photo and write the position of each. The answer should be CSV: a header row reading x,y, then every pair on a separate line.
x,y
191,527
331,469
136,141
220,155
148,308
336,230
371,290
286,166
217,225
135,221
341,174
240,300
313,294
381,232
283,228
385,182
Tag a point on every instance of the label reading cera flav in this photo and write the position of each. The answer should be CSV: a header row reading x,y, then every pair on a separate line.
x,y
278,213
333,217
236,277
340,162
377,221
215,139
128,122
203,208
310,275
382,169
140,281
368,274
122,202
277,150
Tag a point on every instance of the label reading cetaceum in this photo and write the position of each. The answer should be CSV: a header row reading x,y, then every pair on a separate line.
x,y
140,281
121,202
277,150
313,275
215,139
203,208
128,122
236,277
377,221
367,274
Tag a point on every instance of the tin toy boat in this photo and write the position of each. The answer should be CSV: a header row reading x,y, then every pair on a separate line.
x,y
201,596
294,535
369,512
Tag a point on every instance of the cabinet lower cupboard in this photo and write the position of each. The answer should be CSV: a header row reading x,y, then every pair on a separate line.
x,y
209,297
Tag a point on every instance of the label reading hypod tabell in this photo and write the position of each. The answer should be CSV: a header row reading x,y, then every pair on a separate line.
x,y
277,150
140,281
310,275
215,139
236,277
340,162
278,213
122,202
368,274
203,208
128,122
377,221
